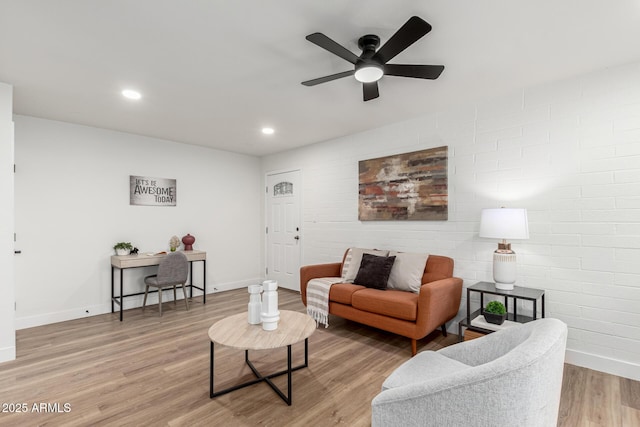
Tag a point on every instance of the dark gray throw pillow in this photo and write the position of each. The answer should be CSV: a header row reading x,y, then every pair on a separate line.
x,y
374,271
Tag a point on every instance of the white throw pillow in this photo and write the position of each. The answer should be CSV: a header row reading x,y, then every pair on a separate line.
x,y
346,263
353,260
406,273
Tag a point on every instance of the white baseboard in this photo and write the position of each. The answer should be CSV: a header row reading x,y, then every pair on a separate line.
x,y
603,364
60,316
7,354
131,302
235,285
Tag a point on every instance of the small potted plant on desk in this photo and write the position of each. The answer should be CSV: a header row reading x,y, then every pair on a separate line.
x,y
123,248
495,312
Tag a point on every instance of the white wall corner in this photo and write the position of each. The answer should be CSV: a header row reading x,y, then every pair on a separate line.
x,y
7,354
7,276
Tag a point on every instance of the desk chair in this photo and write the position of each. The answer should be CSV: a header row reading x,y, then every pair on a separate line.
x,y
172,271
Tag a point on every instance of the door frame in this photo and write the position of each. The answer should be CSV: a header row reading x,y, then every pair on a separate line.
x,y
264,217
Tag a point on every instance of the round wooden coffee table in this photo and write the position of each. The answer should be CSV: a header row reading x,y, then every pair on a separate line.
x,y
235,331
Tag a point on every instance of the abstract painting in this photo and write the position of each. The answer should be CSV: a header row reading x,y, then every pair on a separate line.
x,y
410,186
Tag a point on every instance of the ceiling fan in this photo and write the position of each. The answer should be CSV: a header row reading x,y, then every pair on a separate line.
x,y
371,65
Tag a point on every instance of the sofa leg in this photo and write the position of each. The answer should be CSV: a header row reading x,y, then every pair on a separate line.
x,y
444,329
414,347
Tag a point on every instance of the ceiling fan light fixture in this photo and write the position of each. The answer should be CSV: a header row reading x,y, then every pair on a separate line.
x,y
369,73
131,94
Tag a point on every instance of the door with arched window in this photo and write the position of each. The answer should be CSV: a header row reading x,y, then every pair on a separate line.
x,y
283,238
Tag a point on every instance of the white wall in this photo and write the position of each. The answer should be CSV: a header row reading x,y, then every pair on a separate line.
x,y
72,206
7,292
568,151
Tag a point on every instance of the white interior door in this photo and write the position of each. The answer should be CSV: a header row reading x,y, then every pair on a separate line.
x,y
283,229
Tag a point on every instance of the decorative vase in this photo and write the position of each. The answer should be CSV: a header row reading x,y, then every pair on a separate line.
x,y
255,305
270,314
188,241
122,251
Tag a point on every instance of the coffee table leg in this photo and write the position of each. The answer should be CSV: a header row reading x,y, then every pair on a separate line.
x,y
260,377
211,373
289,375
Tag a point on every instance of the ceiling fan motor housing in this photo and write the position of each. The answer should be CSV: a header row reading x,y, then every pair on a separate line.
x,y
368,44
368,69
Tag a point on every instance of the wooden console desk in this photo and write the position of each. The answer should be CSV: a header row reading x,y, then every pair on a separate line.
x,y
122,262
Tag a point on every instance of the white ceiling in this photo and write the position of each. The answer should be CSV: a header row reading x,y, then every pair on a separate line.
x,y
214,72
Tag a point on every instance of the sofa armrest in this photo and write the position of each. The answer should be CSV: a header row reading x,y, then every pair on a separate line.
x,y
438,302
309,272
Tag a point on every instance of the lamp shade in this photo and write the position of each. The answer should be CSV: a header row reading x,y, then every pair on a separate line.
x,y
504,223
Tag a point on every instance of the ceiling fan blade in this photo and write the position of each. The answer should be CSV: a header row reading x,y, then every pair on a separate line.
x,y
328,78
407,35
416,71
370,91
333,47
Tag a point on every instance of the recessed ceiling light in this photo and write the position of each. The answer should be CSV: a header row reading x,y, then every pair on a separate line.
x,y
131,94
268,131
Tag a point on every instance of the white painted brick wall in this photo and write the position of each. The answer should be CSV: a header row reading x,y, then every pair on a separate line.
x,y
568,151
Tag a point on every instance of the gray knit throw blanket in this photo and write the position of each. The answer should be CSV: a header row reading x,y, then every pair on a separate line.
x,y
318,298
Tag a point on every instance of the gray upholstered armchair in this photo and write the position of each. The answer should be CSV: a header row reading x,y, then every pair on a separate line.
x,y
172,271
510,377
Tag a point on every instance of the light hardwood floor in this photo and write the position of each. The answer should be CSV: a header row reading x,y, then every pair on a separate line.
x,y
149,370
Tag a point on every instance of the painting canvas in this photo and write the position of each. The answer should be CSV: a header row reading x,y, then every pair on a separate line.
x,y
410,186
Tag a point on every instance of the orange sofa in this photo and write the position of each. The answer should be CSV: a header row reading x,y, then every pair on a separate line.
x,y
413,315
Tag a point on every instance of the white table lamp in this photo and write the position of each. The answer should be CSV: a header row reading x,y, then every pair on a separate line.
x,y
504,223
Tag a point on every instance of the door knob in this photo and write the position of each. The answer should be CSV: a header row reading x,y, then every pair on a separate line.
x,y
297,237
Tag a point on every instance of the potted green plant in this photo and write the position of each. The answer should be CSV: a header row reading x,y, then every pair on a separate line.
x,y
495,312
123,248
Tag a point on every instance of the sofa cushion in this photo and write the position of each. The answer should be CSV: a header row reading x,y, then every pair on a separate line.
x,y
393,303
374,271
406,273
352,260
342,292
424,366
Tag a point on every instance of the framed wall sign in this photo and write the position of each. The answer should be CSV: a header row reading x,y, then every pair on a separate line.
x,y
149,191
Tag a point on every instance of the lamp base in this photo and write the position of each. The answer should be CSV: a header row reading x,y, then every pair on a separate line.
x,y
504,270
504,286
